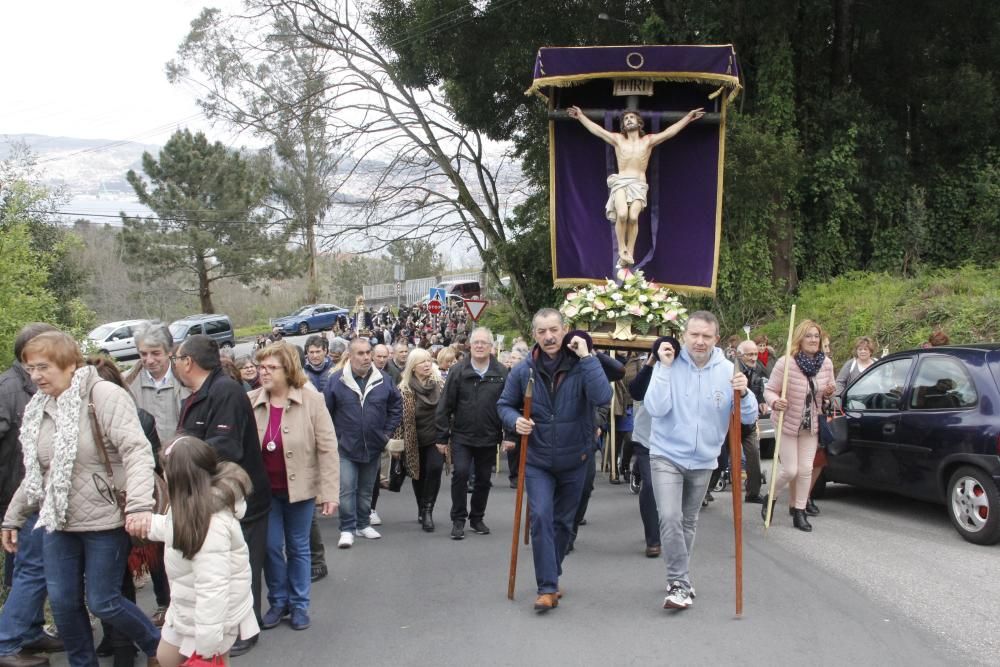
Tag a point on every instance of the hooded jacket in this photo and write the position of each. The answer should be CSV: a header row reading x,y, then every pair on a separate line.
x,y
690,410
363,417
563,408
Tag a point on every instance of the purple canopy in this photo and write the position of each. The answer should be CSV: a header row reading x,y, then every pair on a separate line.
x,y
680,229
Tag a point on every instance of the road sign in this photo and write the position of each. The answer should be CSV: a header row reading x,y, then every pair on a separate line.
x,y
475,307
434,307
399,287
438,294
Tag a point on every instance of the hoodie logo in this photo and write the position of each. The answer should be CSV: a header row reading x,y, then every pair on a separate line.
x,y
224,428
718,398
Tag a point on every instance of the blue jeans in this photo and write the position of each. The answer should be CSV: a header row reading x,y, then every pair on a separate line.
x,y
356,482
288,528
679,493
98,557
553,498
22,616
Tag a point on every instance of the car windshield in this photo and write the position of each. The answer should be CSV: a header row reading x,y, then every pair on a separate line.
x,y
101,332
304,310
177,330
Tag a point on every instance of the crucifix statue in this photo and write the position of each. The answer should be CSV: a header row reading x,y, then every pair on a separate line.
x,y
628,187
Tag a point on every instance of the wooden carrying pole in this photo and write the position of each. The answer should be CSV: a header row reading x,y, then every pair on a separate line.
x,y
512,574
781,421
736,473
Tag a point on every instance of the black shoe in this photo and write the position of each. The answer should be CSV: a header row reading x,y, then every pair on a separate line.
x,y
46,644
513,482
479,528
757,499
243,646
583,522
709,497
124,656
421,512
800,521
811,508
616,480
763,510
428,523
318,572
704,502
458,530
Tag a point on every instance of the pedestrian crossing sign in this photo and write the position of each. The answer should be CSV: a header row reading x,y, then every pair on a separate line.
x,y
438,294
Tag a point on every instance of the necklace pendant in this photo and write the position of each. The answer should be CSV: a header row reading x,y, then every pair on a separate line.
x,y
271,446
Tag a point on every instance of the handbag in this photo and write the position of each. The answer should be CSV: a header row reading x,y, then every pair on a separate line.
x,y
161,497
833,433
200,661
397,473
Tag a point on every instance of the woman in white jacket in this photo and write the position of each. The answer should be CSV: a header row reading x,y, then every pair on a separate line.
x,y
206,559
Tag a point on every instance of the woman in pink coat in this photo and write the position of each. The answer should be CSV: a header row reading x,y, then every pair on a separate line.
x,y
810,380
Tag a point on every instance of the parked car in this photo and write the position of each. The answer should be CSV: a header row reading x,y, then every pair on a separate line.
x,y
314,317
219,327
926,424
116,339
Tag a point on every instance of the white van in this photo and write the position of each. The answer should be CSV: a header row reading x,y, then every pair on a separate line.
x,y
117,339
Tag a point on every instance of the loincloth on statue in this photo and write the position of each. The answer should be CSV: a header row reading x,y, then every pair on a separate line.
x,y
635,190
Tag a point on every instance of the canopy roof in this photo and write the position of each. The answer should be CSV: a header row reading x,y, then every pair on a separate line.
x,y
568,66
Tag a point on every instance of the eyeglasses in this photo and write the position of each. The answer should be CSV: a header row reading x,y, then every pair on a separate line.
x,y
175,357
269,368
41,368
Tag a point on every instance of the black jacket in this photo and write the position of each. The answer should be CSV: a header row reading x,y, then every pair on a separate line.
x,y
16,389
467,412
220,414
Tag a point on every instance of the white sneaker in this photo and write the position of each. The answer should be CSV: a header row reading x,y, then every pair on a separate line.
x,y
374,519
369,533
346,540
678,597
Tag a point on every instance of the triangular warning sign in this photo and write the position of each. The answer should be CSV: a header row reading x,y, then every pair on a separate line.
x,y
475,307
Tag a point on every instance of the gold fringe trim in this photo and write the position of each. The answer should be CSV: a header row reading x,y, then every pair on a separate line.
x,y
725,80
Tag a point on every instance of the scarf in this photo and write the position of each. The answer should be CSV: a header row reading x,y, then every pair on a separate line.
x,y
53,494
810,365
425,397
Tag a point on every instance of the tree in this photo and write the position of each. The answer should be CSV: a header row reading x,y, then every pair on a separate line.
x,y
419,258
263,78
211,221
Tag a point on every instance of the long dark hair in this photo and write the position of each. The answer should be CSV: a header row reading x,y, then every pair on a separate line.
x,y
199,486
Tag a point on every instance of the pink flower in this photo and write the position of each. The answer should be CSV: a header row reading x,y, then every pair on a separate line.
x,y
570,311
635,310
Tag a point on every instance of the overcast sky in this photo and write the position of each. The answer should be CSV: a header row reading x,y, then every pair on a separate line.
x,y
96,69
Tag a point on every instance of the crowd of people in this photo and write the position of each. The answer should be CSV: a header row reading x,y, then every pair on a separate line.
x,y
250,451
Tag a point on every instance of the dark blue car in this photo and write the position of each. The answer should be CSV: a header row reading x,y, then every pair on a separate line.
x,y
926,424
314,317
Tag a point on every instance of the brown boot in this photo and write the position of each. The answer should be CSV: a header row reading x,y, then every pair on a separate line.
x,y
546,601
23,660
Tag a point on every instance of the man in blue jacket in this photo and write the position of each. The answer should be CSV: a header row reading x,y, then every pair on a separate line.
x,y
569,384
690,399
366,408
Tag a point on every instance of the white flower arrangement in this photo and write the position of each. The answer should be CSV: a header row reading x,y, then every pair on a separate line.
x,y
645,303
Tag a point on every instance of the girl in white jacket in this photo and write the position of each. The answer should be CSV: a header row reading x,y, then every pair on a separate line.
x,y
206,559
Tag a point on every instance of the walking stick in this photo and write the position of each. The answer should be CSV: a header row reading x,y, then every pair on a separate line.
x,y
512,575
611,437
736,473
781,421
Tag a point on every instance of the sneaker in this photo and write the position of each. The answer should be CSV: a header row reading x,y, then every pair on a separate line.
x,y
318,572
51,630
272,618
300,619
458,530
346,540
368,533
374,519
479,528
678,597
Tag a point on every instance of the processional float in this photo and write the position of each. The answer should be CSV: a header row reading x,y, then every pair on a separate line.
x,y
623,276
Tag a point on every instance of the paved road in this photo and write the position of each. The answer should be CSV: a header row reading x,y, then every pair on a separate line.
x,y
242,349
879,580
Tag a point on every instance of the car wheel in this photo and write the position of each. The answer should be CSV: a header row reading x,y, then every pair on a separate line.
x,y
974,505
303,329
226,344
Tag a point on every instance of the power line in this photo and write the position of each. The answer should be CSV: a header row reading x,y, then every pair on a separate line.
x,y
161,218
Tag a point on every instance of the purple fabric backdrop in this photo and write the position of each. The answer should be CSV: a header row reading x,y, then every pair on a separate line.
x,y
564,61
688,178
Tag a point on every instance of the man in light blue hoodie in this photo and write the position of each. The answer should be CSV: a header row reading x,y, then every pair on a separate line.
x,y
690,399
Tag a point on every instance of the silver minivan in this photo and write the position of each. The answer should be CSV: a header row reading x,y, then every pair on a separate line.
x,y
219,327
116,339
